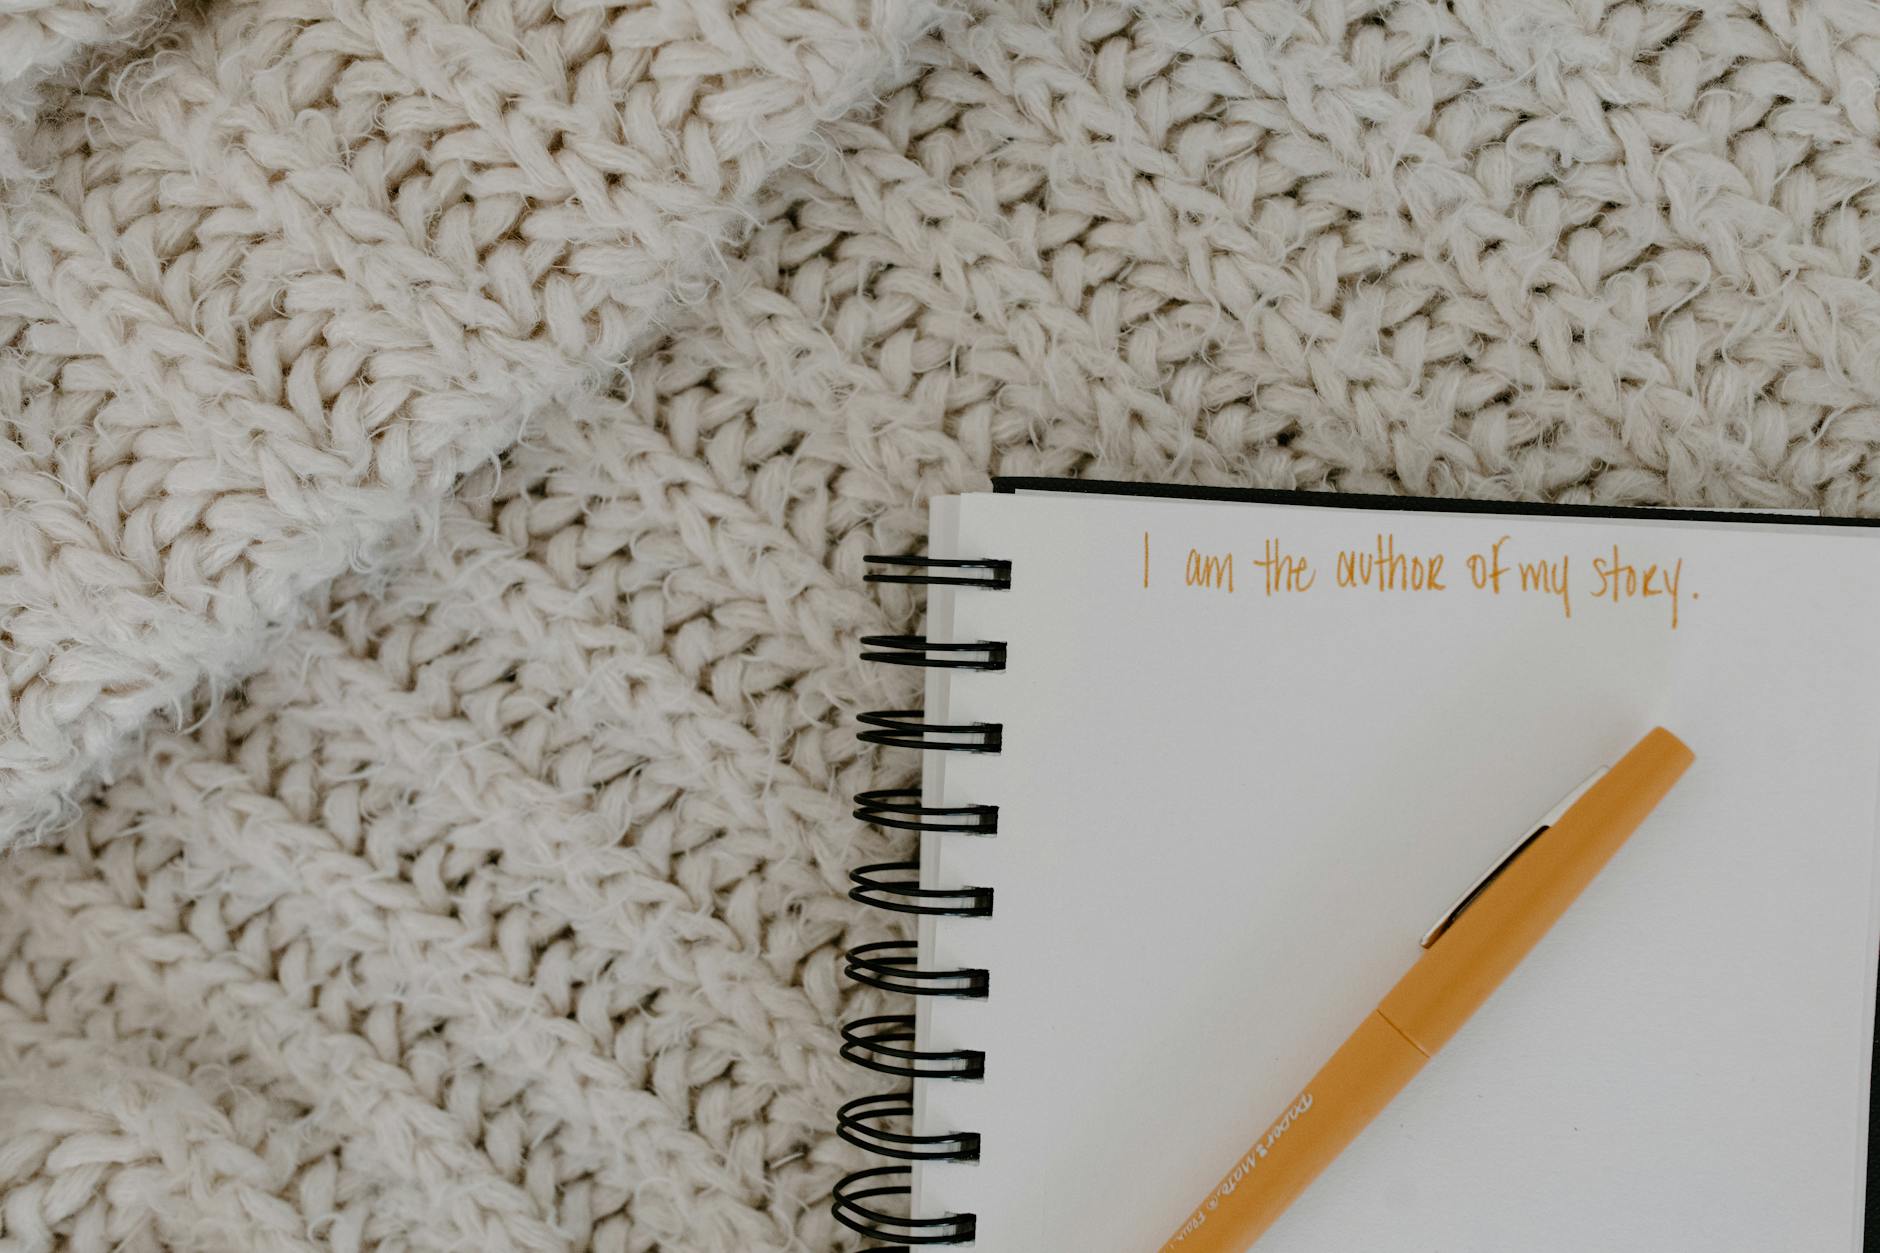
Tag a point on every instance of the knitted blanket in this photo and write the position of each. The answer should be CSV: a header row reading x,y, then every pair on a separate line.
x,y
291,276
439,442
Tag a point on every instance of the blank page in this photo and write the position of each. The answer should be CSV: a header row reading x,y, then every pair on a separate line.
x,y
1230,808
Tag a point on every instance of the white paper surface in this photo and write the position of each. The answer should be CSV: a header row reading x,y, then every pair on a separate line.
x,y
1226,818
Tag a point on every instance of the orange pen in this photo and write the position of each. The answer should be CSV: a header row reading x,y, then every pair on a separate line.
x,y
1467,955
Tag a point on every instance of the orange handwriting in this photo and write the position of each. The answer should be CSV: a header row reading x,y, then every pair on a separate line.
x,y
1486,569
1207,570
1620,580
1547,576
1388,570
1282,571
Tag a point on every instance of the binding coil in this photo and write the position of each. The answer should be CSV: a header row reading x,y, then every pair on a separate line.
x,y
992,575
855,1122
889,965
901,809
853,1214
918,650
903,728
874,1044
886,1043
876,885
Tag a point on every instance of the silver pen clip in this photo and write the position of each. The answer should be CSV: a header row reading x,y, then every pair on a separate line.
x,y
1450,915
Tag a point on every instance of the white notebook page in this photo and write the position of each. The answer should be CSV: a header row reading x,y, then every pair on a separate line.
x,y
1226,817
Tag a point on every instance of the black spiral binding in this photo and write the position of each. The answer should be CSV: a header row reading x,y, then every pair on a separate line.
x,y
885,1043
992,575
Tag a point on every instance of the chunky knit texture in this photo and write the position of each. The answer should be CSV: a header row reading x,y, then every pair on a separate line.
x,y
502,908
287,280
42,41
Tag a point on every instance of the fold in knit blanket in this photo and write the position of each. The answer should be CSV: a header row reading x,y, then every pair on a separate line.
x,y
41,40
502,906
294,273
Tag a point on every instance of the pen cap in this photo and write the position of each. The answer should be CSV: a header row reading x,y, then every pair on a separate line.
x,y
1502,924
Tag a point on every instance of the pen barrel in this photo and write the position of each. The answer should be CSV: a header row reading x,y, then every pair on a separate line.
x,y
1528,895
1351,1089
1488,938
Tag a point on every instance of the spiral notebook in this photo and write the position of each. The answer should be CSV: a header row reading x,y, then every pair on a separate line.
x,y
1200,768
